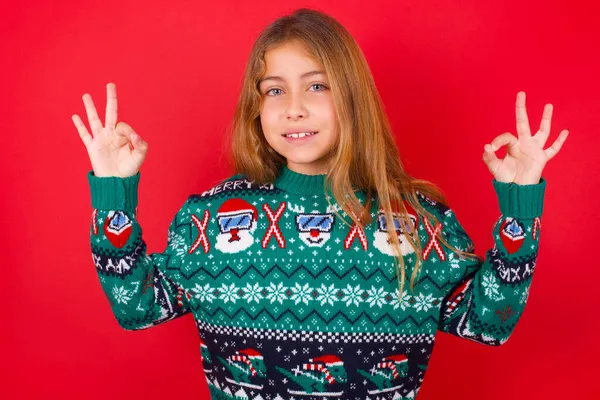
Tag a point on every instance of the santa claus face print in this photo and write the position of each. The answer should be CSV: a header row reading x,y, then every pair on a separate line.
x,y
381,239
237,223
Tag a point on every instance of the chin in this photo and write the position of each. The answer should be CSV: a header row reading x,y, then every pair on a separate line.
x,y
305,161
305,157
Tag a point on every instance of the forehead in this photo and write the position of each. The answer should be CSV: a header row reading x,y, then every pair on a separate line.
x,y
290,60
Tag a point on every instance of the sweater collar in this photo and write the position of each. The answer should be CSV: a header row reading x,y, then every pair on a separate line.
x,y
297,183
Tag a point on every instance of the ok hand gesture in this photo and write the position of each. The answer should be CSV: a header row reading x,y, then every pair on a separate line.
x,y
525,156
115,149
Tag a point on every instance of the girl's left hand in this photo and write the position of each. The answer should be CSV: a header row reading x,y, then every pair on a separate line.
x,y
525,156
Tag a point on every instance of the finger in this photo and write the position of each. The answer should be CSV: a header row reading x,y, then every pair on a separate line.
x,y
139,149
560,140
83,132
506,138
111,105
545,124
490,159
123,133
90,109
521,112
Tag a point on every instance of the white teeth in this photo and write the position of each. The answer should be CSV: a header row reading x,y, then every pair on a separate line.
x,y
300,135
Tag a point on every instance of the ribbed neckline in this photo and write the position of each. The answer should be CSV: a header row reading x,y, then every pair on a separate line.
x,y
295,182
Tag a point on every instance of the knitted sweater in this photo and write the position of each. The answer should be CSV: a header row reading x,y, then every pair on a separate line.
x,y
290,302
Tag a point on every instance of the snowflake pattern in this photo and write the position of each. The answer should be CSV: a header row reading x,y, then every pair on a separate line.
x,y
228,293
402,301
423,303
353,295
327,294
301,294
376,296
252,293
492,288
324,295
277,293
121,295
176,243
204,293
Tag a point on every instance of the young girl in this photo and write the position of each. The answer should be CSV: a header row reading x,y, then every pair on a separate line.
x,y
321,268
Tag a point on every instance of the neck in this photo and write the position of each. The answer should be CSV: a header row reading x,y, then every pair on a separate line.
x,y
308,169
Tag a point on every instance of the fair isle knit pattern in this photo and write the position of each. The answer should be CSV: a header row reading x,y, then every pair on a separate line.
x,y
292,303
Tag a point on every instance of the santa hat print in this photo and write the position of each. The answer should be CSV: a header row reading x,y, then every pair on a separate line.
x,y
397,358
236,206
328,360
251,353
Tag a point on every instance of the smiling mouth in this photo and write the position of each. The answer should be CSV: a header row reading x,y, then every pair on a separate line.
x,y
300,135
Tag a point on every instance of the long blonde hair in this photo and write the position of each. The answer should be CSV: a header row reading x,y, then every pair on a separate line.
x,y
366,157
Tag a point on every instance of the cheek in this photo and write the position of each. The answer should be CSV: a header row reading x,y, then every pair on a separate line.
x,y
328,112
268,118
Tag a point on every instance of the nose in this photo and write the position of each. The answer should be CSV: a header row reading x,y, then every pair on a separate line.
x,y
314,233
296,108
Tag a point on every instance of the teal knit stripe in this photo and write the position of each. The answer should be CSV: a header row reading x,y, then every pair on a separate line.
x,y
293,182
520,201
113,192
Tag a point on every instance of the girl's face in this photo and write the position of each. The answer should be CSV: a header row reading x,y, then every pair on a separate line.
x,y
297,99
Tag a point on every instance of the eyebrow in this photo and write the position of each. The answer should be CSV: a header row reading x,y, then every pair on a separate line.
x,y
305,75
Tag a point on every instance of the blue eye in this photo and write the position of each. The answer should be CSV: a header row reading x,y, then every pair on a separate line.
x,y
319,84
314,84
267,92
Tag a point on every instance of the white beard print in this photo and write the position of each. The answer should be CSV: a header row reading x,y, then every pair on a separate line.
x,y
246,239
381,243
308,240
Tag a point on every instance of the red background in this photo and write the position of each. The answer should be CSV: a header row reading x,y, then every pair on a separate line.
x,y
448,71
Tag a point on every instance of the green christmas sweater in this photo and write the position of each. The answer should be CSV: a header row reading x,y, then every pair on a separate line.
x,y
292,303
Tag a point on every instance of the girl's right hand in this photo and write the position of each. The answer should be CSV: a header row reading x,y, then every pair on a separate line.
x,y
115,149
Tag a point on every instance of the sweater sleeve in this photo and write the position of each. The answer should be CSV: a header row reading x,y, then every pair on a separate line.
x,y
138,285
489,296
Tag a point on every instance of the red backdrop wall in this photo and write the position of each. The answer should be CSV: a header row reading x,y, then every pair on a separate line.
x,y
448,72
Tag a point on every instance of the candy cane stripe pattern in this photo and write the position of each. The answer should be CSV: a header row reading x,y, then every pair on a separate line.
x,y
180,293
246,361
391,365
537,225
433,242
201,233
94,224
321,368
273,225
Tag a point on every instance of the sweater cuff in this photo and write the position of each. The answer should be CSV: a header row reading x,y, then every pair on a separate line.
x,y
520,201
113,192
